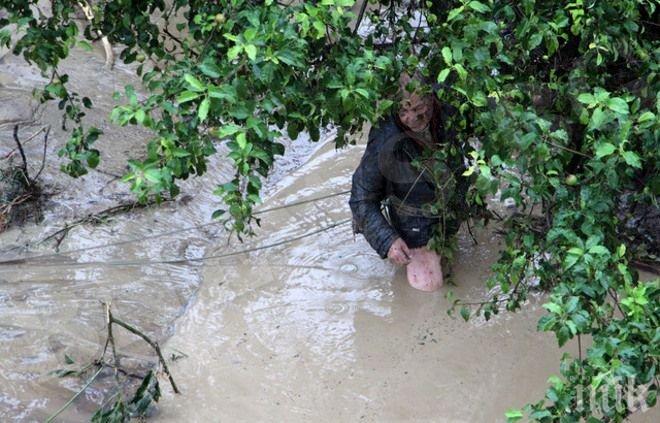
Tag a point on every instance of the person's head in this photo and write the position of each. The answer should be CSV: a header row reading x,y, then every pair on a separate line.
x,y
416,106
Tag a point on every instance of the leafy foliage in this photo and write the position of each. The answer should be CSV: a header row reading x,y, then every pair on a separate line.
x,y
147,393
563,97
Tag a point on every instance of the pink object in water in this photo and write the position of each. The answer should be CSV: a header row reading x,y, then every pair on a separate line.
x,y
424,270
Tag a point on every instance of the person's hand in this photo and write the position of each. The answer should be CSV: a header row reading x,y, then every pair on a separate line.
x,y
399,252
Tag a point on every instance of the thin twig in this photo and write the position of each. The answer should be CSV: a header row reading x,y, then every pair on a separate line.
x,y
154,236
111,338
579,153
28,139
616,301
43,158
579,339
73,398
20,149
470,232
360,16
153,345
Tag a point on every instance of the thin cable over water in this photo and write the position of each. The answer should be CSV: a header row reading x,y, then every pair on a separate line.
x,y
184,261
161,234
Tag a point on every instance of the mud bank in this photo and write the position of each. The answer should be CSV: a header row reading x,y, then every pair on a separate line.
x,y
323,329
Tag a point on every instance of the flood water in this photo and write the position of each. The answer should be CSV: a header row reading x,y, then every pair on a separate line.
x,y
318,328
323,329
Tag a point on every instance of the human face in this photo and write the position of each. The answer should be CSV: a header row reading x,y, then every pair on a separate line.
x,y
416,111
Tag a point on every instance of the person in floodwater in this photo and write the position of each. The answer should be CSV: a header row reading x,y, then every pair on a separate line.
x,y
389,175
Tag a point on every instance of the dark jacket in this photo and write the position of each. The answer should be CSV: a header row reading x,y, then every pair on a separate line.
x,y
386,174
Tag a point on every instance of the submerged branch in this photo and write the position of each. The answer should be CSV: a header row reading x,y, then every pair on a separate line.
x,y
73,398
149,341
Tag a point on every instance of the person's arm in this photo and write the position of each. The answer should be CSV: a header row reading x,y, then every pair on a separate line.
x,y
367,191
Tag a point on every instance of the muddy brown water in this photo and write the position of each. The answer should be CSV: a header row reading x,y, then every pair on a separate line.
x,y
324,329
319,328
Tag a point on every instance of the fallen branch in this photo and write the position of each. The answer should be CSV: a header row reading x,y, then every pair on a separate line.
x,y
149,378
148,340
73,398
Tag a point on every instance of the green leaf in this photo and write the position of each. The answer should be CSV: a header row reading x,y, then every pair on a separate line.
x,y
478,99
552,307
364,93
442,76
217,214
85,45
621,251
193,83
454,13
223,92
513,415
465,313
233,52
140,115
632,159
586,98
598,118
604,149
186,96
446,54
599,249
576,251
251,51
478,6
646,116
618,105
462,73
535,40
241,140
210,69
570,261
68,359
227,130
152,175
203,110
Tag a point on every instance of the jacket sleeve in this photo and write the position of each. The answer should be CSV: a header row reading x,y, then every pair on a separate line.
x,y
367,192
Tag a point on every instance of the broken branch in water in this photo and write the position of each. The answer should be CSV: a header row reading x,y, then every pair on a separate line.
x,y
148,340
73,398
148,389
